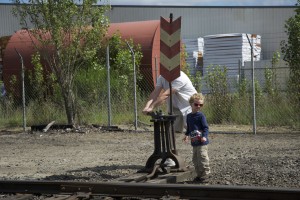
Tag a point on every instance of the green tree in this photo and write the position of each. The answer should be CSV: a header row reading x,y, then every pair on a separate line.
x,y
217,82
291,49
271,85
66,34
121,71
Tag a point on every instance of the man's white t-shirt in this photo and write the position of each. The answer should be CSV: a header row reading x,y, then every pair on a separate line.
x,y
185,90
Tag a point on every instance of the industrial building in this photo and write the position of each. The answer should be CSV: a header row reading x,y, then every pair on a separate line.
x,y
197,22
268,22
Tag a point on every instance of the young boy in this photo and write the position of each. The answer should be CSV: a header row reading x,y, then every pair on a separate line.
x,y
197,130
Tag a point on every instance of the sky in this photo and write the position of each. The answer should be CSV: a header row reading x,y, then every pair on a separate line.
x,y
200,2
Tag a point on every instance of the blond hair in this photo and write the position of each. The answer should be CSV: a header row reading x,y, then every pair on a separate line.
x,y
196,96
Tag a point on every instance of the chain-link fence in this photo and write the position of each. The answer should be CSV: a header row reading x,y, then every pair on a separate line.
x,y
229,99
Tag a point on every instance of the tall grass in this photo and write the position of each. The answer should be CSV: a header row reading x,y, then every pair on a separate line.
x,y
221,107
237,110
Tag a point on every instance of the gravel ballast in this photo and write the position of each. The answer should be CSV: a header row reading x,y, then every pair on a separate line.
x,y
264,159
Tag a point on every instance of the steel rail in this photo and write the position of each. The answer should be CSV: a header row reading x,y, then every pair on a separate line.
x,y
149,190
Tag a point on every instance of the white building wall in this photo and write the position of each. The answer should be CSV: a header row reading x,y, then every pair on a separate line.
x,y
201,21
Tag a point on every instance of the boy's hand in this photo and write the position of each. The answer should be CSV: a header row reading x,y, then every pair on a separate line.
x,y
185,139
203,139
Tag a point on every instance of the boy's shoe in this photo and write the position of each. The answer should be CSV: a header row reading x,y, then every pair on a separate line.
x,y
169,162
201,179
197,179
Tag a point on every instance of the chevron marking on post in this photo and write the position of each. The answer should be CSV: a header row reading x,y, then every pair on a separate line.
x,y
168,39
170,63
169,51
172,75
170,48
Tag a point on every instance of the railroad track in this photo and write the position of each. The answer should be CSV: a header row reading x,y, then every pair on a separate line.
x,y
47,190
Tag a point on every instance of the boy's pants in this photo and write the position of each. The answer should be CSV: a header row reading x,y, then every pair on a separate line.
x,y
201,160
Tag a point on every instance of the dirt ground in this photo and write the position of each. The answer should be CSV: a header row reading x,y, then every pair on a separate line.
x,y
271,158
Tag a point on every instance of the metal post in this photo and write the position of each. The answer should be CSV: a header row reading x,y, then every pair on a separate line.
x,y
170,85
134,82
108,86
23,90
253,85
240,72
171,106
156,69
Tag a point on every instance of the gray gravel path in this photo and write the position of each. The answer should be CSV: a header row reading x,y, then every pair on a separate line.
x,y
265,159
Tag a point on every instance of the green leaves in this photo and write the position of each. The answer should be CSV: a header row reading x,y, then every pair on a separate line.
x,y
67,34
216,79
291,49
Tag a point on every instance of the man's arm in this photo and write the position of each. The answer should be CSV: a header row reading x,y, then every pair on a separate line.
x,y
152,98
157,98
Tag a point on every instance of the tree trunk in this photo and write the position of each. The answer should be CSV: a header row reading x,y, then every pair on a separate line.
x,y
69,100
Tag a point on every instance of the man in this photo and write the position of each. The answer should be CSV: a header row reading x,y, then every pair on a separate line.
x,y
182,90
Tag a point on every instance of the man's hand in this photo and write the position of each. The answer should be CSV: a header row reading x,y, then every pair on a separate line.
x,y
148,110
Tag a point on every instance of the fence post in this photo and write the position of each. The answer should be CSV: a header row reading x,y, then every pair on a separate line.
x,y
156,70
23,90
253,84
134,82
108,86
240,72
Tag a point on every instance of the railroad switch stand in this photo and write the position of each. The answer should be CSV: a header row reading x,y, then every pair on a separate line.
x,y
164,144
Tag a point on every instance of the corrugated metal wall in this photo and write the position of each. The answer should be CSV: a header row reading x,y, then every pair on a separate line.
x,y
197,21
201,21
8,23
